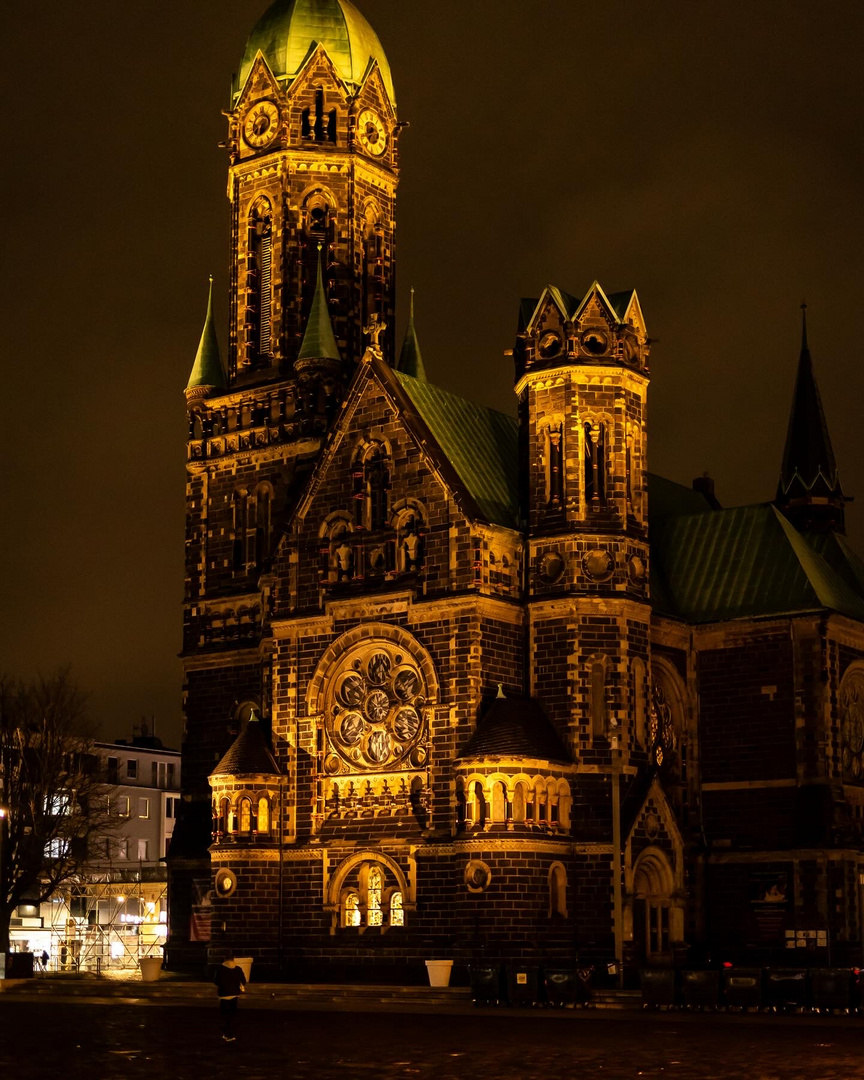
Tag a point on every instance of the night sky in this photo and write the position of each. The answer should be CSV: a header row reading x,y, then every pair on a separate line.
x,y
711,155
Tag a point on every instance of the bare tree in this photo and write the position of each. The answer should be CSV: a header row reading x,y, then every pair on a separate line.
x,y
53,798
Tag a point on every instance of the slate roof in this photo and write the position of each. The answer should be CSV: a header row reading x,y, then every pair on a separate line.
x,y
410,358
747,561
516,727
248,753
481,445
319,341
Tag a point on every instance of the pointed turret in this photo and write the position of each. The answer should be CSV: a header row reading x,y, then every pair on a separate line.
x,y
809,491
319,341
208,375
410,358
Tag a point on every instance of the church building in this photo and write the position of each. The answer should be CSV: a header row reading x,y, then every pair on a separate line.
x,y
473,686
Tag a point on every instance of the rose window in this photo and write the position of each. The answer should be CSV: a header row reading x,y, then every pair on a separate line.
x,y
661,728
374,703
852,726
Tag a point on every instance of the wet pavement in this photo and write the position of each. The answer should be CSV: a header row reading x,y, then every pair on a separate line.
x,y
42,1039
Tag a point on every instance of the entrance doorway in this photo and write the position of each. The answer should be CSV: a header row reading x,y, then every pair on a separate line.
x,y
652,905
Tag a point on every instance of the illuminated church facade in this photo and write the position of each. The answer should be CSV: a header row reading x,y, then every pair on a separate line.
x,y
464,685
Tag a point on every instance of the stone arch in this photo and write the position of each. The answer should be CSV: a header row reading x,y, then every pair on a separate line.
x,y
404,884
365,633
557,878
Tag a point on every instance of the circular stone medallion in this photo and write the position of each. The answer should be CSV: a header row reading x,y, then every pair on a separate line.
x,y
551,567
636,569
598,564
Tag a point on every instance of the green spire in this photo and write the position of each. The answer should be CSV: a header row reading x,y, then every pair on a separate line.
x,y
207,371
319,342
411,359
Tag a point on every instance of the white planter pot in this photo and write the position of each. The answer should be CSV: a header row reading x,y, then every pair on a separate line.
x,y
245,965
439,972
151,968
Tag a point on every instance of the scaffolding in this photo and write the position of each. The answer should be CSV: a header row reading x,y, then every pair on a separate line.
x,y
98,926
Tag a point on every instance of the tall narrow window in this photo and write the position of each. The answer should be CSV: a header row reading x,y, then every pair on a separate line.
x,y
263,815
377,482
595,464
259,281
639,717
262,527
245,816
598,698
351,910
238,546
224,815
558,891
555,466
397,909
375,915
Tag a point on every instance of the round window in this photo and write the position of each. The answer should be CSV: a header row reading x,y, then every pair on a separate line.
x,y
226,882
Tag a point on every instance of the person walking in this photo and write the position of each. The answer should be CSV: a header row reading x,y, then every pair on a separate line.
x,y
230,984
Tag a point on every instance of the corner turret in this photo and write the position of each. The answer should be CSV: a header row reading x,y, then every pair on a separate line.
x,y
208,376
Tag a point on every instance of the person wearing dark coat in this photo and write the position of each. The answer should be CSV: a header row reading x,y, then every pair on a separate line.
x,y
230,984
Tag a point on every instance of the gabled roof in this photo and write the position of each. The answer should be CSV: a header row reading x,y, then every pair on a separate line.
x,y
740,562
515,727
248,753
480,444
571,307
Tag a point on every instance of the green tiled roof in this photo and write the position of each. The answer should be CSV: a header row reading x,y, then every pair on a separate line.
x,y
740,562
666,498
480,444
410,358
289,29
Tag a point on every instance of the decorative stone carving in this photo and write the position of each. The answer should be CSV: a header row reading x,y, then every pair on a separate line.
x,y
598,564
636,569
478,876
551,567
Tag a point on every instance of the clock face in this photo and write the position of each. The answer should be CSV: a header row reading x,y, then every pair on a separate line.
x,y
371,133
261,124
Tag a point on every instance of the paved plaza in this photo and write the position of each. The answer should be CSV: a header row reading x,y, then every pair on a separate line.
x,y
50,1039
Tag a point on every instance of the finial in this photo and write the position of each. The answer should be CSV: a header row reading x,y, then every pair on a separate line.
x,y
804,326
500,693
374,330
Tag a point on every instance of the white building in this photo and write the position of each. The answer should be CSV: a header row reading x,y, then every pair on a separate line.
x,y
116,912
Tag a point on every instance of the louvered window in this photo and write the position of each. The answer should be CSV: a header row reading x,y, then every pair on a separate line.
x,y
265,260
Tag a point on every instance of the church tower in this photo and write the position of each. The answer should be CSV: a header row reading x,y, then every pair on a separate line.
x,y
313,171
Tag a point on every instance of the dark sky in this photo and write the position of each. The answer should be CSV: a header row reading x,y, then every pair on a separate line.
x,y
711,155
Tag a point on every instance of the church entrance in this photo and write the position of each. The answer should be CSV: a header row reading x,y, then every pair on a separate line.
x,y
652,903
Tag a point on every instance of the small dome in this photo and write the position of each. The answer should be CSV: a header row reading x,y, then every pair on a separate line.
x,y
288,31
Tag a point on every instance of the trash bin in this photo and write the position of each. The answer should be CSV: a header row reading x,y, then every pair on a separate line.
x,y
742,988
562,986
523,984
831,988
700,989
658,987
785,988
485,982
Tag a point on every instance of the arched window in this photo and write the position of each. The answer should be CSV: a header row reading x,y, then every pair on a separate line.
x,y
555,466
499,803
351,909
318,234
397,911
557,891
540,802
263,815
225,815
262,526
519,802
238,545
371,487
259,281
639,701
375,915
245,815
409,542
478,805
595,465
319,123
373,262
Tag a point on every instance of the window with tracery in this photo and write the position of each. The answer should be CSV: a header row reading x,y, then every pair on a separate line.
x,y
397,911
371,479
263,815
368,901
375,916
851,705
245,815
351,910
555,466
662,733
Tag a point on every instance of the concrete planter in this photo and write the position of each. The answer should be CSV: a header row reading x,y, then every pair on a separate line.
x,y
151,966
439,972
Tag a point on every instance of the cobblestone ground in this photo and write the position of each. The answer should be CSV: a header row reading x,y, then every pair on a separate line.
x,y
182,1043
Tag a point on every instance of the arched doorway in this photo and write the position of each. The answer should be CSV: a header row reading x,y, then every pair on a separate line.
x,y
653,885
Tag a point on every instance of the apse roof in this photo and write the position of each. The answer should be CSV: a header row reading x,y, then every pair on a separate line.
x,y
516,727
248,753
